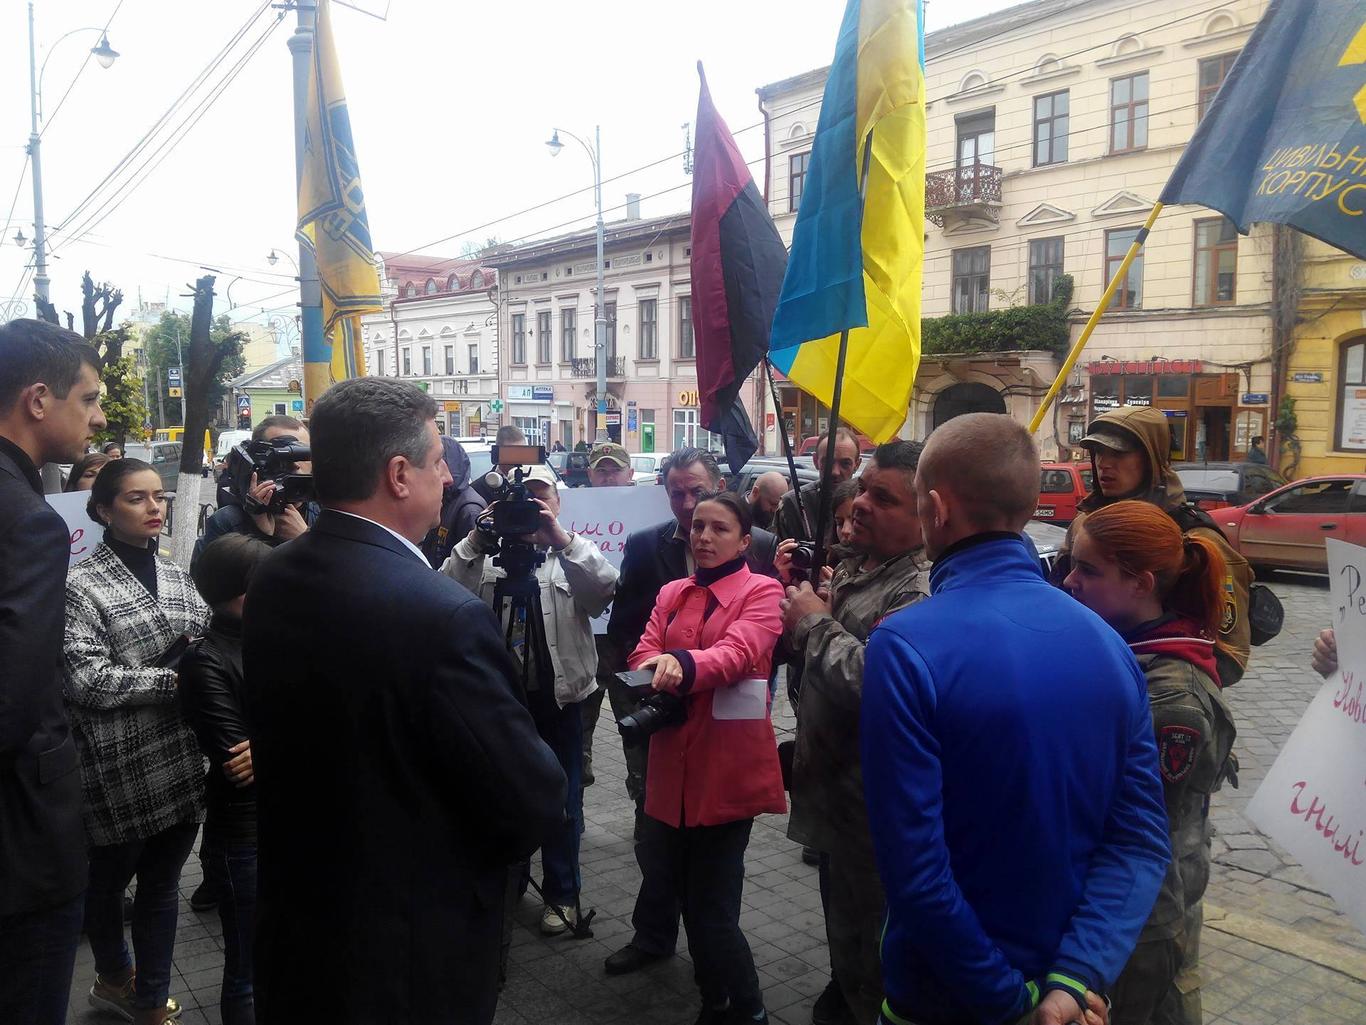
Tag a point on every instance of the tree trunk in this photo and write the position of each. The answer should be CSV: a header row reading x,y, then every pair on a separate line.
x,y
202,362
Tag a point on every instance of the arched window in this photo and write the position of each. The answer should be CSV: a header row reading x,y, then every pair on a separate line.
x,y
409,290
453,283
972,80
1221,21
477,279
1048,62
968,397
1127,44
431,286
1351,416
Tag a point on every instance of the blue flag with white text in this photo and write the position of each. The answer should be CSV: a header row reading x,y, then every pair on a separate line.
x,y
1285,140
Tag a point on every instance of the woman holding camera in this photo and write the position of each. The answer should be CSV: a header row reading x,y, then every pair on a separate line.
x,y
710,642
128,614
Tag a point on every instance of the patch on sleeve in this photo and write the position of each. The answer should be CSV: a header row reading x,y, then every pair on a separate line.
x,y
1230,617
1176,750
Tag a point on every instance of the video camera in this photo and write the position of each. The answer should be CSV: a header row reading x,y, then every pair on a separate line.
x,y
512,515
273,461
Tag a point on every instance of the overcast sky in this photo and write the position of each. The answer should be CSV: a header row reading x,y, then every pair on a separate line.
x,y
451,103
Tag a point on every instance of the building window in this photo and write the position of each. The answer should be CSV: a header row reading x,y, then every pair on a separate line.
x,y
519,339
1129,294
611,330
432,286
379,362
407,362
976,139
279,409
427,360
568,327
1351,425
796,179
648,329
687,348
1050,129
688,433
971,279
474,359
1213,71
1129,113
530,426
477,280
1045,264
543,344
1216,262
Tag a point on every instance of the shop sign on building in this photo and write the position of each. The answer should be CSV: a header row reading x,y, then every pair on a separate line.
x,y
1146,366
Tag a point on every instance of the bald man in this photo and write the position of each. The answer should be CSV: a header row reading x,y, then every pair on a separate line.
x,y
1009,764
765,496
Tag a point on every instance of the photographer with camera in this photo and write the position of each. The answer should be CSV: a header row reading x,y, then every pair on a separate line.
x,y
652,558
829,631
263,491
575,582
713,759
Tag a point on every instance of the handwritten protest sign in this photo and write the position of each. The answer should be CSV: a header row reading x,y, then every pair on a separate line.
x,y
85,532
608,516
1313,801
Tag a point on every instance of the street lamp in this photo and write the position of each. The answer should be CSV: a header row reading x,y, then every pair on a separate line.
x,y
275,255
600,303
106,56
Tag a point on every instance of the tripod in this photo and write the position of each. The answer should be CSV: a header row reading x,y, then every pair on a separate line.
x,y
520,592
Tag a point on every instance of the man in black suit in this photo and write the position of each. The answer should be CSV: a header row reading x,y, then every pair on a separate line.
x,y
652,558
49,410
398,772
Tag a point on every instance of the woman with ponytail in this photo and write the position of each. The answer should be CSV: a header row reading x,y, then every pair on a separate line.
x,y
1163,592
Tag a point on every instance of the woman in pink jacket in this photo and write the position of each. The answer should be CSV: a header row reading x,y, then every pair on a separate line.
x,y
710,641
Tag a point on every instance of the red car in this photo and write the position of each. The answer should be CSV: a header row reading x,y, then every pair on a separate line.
x,y
1061,487
1286,529
808,445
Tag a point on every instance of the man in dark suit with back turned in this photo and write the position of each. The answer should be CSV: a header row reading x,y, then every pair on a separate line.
x,y
652,558
398,772
49,410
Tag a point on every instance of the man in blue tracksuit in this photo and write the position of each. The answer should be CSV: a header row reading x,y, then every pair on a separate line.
x,y
1009,763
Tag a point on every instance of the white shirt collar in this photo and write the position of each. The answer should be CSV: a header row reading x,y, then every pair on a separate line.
x,y
411,547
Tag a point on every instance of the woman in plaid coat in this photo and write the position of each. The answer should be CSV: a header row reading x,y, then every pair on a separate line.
x,y
141,768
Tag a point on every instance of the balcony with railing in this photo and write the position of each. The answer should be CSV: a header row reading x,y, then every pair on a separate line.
x,y
587,367
964,193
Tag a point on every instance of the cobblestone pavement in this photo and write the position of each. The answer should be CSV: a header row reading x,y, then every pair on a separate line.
x,y
1267,948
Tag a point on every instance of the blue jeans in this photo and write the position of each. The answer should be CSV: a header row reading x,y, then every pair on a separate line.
x,y
234,865
562,730
37,956
156,863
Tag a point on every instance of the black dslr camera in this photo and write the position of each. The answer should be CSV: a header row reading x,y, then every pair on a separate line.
x,y
804,557
274,461
661,709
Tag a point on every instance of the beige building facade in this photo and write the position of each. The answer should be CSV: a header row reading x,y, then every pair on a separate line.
x,y
1052,128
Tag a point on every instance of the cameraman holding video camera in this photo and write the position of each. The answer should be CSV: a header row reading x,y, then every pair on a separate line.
x,y
576,582
250,505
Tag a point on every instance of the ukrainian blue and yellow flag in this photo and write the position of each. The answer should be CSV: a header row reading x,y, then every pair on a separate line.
x,y
332,220
856,261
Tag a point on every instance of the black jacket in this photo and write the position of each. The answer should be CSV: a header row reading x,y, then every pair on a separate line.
x,y
652,558
210,691
233,519
397,776
461,505
42,841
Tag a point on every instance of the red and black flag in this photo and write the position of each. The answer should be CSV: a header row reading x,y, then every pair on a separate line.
x,y
738,260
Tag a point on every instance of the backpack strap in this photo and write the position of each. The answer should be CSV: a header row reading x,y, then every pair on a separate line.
x,y
1188,516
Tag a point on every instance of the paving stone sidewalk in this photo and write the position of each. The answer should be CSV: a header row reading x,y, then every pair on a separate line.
x,y
1249,981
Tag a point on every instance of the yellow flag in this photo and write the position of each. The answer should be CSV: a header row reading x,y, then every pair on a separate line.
x,y
332,221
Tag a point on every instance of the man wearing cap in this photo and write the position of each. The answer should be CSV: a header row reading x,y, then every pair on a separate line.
x,y
609,466
1131,458
576,584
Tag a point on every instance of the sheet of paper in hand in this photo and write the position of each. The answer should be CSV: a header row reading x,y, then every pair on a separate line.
x,y
1313,801
85,532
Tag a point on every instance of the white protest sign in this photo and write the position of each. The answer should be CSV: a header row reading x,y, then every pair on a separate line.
x,y
1313,801
85,532
608,516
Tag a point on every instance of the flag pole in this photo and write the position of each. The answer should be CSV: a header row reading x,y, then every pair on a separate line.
x,y
827,484
1099,312
787,442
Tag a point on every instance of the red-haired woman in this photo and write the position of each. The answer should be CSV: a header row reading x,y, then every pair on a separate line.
x,y
710,641
1163,592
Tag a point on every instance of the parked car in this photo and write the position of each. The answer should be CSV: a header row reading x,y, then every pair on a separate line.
x,y
1061,487
164,457
227,441
1286,529
646,467
570,467
743,482
1221,485
1048,539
